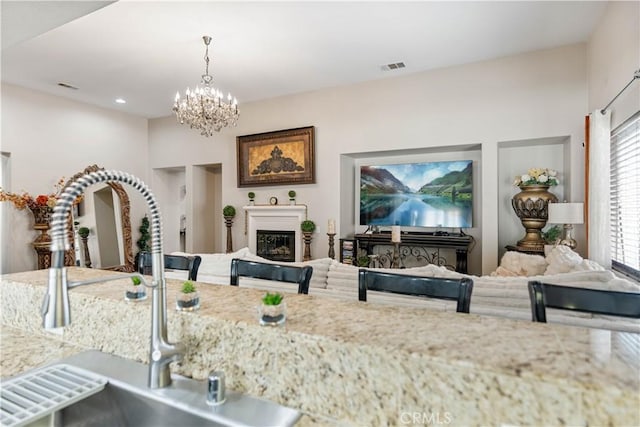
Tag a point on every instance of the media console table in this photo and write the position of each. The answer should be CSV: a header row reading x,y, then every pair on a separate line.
x,y
415,246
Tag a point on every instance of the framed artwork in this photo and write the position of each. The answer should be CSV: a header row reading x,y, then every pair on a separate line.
x,y
282,157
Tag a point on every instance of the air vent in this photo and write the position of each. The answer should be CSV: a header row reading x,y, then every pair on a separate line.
x,y
393,66
67,86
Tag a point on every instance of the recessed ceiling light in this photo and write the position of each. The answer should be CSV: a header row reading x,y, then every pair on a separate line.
x,y
120,101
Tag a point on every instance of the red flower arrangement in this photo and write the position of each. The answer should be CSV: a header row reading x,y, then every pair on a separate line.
x,y
25,200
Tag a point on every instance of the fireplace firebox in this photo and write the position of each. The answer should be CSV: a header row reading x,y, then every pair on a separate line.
x,y
276,245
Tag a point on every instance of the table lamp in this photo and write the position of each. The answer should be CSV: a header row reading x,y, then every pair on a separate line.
x,y
567,214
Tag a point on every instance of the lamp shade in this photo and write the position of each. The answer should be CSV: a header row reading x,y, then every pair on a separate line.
x,y
566,213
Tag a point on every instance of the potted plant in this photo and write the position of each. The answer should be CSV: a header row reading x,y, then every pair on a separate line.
x,y
252,197
144,240
273,310
229,211
363,261
189,298
308,226
534,191
551,235
292,197
83,232
135,292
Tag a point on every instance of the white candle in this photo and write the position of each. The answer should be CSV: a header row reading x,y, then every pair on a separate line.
x,y
395,233
331,227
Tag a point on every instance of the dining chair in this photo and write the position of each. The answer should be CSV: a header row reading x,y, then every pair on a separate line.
x,y
434,287
268,271
172,262
613,303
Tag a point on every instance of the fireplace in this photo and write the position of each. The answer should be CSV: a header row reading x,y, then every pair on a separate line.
x,y
276,245
279,219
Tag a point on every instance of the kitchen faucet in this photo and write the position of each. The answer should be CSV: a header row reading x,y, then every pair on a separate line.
x,y
55,307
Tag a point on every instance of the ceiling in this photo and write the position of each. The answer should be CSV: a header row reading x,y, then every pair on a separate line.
x,y
145,51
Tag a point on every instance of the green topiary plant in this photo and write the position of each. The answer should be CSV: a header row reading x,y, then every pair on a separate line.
x,y
188,287
83,232
308,226
143,241
551,235
272,299
229,211
251,195
292,194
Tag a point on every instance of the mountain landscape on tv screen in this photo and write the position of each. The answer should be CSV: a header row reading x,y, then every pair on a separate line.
x,y
436,194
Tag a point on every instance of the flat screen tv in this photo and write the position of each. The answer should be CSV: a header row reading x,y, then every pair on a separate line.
x,y
432,194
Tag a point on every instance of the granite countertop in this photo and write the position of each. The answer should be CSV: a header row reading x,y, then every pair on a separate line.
x,y
22,350
589,359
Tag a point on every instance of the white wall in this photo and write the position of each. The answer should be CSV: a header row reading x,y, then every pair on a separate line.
x,y
613,56
170,190
48,138
525,97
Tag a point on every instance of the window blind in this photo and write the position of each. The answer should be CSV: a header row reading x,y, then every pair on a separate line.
x,y
625,197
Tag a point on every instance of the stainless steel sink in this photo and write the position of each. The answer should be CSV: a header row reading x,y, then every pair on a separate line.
x,y
115,406
127,401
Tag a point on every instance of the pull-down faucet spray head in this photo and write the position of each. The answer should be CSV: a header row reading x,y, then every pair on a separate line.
x,y
55,307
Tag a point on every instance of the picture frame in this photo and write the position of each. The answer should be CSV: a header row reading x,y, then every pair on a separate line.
x,y
281,157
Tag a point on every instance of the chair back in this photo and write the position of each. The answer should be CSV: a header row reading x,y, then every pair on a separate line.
x,y
172,262
267,271
434,287
612,303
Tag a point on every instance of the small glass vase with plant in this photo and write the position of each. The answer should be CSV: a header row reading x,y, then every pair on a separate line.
x,y
292,197
188,298
272,312
136,291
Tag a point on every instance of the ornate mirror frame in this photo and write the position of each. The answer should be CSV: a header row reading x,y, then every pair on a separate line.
x,y
125,209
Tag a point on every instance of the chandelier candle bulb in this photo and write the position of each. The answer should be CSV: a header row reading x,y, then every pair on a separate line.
x,y
331,228
395,233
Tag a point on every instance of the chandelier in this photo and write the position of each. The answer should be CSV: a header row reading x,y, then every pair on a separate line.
x,y
205,108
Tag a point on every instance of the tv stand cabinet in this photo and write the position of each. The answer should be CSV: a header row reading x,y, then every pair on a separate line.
x,y
417,246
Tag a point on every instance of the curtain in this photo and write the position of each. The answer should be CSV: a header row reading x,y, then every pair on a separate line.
x,y
599,242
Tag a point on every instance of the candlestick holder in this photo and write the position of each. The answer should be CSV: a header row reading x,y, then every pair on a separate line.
x,y
306,237
228,222
332,252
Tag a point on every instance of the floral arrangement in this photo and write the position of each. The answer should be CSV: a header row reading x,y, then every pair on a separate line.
x,y
25,200
537,176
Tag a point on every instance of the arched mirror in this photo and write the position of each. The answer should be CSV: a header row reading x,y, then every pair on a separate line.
x,y
111,224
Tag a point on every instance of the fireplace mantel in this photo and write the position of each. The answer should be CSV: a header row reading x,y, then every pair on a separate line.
x,y
275,218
